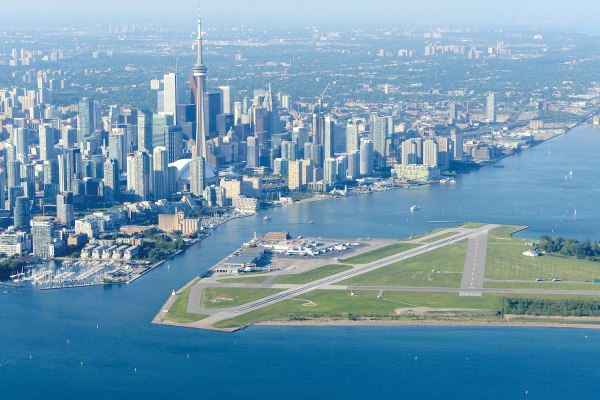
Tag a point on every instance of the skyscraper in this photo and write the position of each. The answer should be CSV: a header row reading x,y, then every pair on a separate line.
x,y
85,119
366,157
144,130
352,138
457,138
42,232
111,180
21,141
46,136
430,153
64,208
445,152
410,152
379,132
491,108
329,138
252,152
170,94
226,99
21,212
160,162
174,135
138,174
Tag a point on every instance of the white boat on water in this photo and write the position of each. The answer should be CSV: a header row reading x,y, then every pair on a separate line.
x,y
415,208
266,218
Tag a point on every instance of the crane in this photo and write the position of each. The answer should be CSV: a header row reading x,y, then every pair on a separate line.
x,y
319,102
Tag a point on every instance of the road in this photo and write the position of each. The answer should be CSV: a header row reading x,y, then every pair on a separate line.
x,y
194,307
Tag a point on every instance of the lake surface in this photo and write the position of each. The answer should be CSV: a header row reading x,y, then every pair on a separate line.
x,y
98,343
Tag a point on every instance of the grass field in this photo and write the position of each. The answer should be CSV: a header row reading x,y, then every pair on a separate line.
x,y
178,313
312,275
336,304
213,297
439,237
543,285
378,254
505,261
448,262
253,278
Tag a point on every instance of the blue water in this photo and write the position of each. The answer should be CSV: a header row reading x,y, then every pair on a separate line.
x,y
98,343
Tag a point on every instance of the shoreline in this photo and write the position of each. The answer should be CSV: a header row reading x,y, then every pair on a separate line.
x,y
445,324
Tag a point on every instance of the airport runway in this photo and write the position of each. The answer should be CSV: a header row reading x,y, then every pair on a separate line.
x,y
474,270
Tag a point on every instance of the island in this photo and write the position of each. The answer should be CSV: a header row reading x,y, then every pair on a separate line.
x,y
472,274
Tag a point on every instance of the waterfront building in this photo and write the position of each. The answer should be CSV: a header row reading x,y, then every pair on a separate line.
x,y
430,153
457,140
330,171
353,165
378,134
294,174
445,152
366,157
410,152
177,222
416,173
42,233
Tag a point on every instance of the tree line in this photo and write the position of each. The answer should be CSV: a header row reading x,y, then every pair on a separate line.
x,y
568,247
551,307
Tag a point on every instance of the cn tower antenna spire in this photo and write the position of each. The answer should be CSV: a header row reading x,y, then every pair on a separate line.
x,y
199,45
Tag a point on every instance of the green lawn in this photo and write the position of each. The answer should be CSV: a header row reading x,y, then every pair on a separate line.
x,y
378,254
505,261
254,278
178,311
472,225
312,275
213,297
448,262
543,285
336,304
439,237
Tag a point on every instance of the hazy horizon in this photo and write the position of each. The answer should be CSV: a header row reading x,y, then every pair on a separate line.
x,y
577,15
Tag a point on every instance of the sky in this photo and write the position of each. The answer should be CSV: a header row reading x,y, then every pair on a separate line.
x,y
270,13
